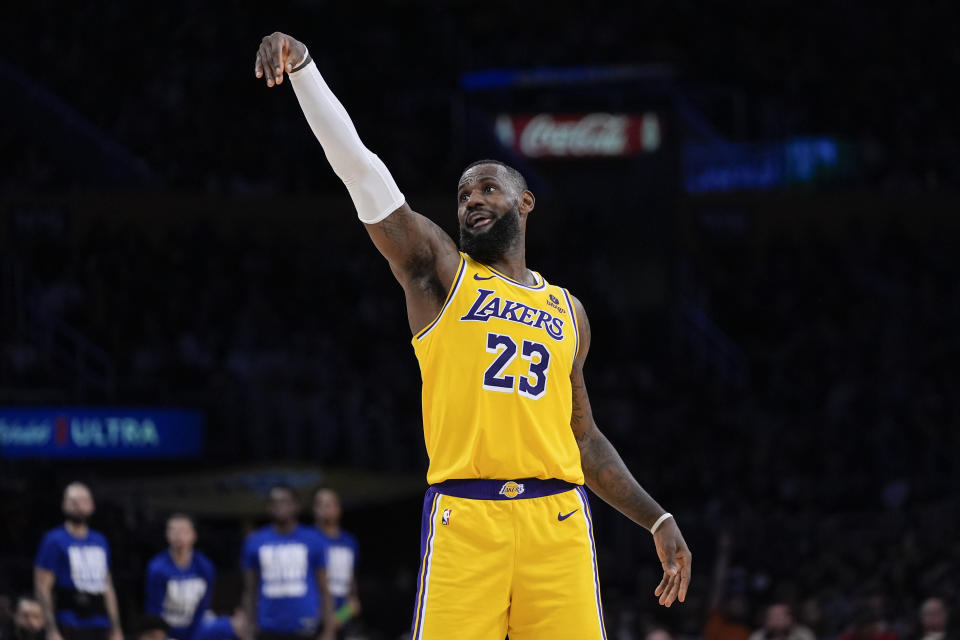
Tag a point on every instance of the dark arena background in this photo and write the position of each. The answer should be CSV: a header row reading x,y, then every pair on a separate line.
x,y
757,204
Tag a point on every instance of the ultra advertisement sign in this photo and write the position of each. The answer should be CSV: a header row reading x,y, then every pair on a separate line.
x,y
100,432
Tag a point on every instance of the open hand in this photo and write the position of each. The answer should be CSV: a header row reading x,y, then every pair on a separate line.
x,y
676,559
278,52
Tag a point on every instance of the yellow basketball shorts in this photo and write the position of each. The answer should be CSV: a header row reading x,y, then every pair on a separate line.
x,y
507,557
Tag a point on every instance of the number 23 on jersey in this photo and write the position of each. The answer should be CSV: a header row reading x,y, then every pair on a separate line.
x,y
534,384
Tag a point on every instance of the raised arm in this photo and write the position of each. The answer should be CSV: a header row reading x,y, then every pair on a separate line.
x,y
423,258
608,477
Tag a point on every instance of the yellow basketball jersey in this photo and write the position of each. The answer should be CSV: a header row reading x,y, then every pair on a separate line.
x,y
496,366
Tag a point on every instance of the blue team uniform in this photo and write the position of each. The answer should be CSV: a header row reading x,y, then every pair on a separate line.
x,y
342,552
81,567
288,598
179,595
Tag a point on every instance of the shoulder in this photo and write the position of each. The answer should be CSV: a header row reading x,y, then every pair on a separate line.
x,y
257,536
158,563
53,536
584,334
203,561
310,534
97,538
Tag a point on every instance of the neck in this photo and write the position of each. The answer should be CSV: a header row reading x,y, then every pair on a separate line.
x,y
285,527
513,264
181,557
332,529
80,530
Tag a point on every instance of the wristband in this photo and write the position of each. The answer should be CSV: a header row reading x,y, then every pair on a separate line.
x,y
303,61
656,525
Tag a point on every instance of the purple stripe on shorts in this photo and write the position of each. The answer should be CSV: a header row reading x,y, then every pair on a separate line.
x,y
491,489
425,530
593,554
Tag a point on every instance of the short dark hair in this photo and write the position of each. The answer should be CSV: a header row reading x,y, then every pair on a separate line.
x,y
515,176
284,487
182,516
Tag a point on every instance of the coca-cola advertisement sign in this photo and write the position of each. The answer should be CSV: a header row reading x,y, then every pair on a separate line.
x,y
591,135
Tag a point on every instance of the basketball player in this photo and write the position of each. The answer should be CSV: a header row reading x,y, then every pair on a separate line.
x,y
507,540
71,575
284,580
179,582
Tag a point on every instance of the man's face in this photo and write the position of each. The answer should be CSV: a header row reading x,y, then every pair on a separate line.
x,y
326,507
77,503
282,506
181,534
488,212
933,615
29,616
778,619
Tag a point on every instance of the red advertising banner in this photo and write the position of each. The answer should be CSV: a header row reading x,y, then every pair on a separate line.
x,y
590,135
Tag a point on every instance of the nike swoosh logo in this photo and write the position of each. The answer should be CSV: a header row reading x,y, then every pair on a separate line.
x,y
562,518
476,276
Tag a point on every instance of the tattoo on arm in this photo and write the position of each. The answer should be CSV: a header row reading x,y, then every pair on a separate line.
x,y
608,477
603,468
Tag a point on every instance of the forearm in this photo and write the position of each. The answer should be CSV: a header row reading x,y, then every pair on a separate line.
x,y
608,477
113,610
44,595
372,188
326,604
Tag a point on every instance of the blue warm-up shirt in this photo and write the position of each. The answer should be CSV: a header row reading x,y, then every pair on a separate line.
x,y
81,567
342,552
179,595
288,599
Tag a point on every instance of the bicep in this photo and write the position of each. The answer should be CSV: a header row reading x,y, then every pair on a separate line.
x,y
415,246
43,579
581,415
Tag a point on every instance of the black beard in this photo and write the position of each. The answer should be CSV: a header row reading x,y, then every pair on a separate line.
x,y
78,521
491,245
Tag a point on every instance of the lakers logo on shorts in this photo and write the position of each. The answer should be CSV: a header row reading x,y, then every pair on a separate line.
x,y
511,489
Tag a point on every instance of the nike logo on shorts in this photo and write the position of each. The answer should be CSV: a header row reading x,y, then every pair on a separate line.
x,y
476,276
562,518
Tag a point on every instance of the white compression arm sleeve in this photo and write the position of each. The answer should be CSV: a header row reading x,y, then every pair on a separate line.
x,y
374,192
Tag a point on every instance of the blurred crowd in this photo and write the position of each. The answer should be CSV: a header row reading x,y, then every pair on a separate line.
x,y
831,475
173,83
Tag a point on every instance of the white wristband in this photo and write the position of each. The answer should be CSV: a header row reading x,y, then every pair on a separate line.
x,y
656,525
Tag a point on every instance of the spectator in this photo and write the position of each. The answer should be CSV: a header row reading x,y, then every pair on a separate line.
x,y
284,565
342,551
934,619
72,575
778,624
179,582
27,622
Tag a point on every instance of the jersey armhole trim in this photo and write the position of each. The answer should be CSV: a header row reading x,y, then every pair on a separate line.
x,y
450,294
576,329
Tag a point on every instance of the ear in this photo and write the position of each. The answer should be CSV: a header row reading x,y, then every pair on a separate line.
x,y
527,202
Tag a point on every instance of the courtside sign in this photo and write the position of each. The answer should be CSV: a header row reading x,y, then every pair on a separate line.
x,y
100,432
